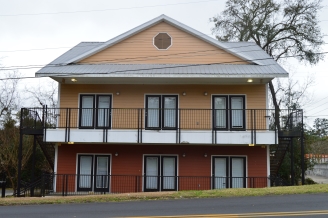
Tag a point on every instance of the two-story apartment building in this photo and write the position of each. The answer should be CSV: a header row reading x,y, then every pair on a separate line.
x,y
161,107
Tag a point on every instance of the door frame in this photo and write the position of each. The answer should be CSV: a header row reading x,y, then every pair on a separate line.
x,y
160,172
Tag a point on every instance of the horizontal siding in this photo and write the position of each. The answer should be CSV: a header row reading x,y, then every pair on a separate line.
x,y
130,158
133,96
185,49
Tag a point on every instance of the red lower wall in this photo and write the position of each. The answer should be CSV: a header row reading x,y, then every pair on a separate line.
x,y
130,161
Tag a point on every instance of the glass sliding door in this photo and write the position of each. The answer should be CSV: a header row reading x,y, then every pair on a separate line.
x,y
237,168
153,111
237,112
103,110
87,111
169,173
85,172
220,172
102,174
151,173
220,112
170,111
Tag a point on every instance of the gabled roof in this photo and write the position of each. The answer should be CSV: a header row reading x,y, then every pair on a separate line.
x,y
153,22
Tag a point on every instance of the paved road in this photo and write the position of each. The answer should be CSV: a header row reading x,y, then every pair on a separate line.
x,y
233,205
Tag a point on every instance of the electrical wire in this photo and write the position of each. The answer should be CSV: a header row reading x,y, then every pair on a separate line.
x,y
101,10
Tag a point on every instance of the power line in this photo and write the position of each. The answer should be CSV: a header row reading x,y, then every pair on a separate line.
x,y
101,10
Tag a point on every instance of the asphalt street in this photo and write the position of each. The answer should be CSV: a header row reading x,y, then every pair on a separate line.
x,y
181,207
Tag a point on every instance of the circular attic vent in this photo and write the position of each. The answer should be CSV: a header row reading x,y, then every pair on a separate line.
x,y
162,41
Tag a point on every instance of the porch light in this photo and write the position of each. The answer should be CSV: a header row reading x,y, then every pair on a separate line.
x,y
250,80
184,155
205,93
74,80
250,144
184,93
116,154
205,155
117,93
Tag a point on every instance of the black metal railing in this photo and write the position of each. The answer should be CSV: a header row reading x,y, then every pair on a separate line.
x,y
140,119
68,184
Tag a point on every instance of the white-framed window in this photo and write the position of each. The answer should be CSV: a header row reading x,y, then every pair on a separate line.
x,y
228,112
161,111
93,173
228,172
162,41
160,173
95,111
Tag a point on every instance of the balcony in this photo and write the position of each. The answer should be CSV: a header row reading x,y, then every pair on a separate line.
x,y
164,126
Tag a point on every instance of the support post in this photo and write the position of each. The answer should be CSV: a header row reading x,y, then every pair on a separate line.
x,y
292,173
302,151
20,148
33,165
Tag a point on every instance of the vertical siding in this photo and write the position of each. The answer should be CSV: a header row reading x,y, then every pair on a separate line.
x,y
185,49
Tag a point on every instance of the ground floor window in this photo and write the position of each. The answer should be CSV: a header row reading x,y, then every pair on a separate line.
x,y
228,172
160,173
93,173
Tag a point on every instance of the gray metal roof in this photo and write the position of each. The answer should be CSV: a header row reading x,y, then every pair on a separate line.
x,y
106,70
263,65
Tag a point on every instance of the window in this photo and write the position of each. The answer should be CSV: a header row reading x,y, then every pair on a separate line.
x,y
160,173
228,172
228,112
161,111
95,111
162,41
93,173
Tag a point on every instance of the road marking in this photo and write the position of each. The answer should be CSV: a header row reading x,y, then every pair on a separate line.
x,y
269,214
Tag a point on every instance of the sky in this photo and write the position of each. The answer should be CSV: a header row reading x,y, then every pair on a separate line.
x,y
35,32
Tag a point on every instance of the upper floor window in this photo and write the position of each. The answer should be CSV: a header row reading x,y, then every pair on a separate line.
x,y
161,111
229,112
162,41
95,111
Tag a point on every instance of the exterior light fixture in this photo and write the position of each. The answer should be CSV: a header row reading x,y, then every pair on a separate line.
x,y
250,144
116,154
250,80
205,155
74,80
184,155
184,93
117,93
205,93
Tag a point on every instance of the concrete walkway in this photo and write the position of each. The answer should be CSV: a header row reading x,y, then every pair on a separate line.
x,y
318,179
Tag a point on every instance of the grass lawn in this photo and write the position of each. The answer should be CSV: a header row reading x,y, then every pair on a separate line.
x,y
221,193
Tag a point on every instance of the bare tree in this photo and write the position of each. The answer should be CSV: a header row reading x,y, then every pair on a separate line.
x,y
281,28
43,95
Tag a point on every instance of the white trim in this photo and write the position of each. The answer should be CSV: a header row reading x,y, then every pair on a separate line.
x,y
268,164
160,168
229,156
167,47
55,166
93,167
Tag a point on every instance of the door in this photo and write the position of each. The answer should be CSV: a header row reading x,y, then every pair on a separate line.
x,y
169,174
220,172
160,173
220,112
151,178
237,112
103,111
101,183
238,172
87,111
85,171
